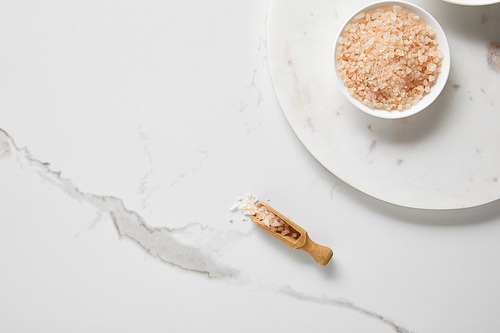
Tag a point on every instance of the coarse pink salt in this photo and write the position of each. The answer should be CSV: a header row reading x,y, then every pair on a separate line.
x,y
388,58
268,219
272,221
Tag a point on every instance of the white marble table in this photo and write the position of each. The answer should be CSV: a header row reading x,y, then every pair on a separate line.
x,y
129,129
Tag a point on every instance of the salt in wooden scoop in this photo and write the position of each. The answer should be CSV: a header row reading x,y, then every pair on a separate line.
x,y
295,237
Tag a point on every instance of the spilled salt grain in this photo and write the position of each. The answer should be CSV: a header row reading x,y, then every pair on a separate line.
x,y
233,208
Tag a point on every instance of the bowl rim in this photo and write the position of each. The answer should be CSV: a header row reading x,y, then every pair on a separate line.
x,y
442,79
473,3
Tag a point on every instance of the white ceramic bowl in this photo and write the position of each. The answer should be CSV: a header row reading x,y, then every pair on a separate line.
x,y
441,79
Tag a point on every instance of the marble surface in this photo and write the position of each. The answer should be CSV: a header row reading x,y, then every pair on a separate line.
x,y
129,129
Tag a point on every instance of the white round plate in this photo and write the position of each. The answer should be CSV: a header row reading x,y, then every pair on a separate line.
x,y
445,157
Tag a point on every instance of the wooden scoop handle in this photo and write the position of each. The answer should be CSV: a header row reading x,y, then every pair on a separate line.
x,y
320,253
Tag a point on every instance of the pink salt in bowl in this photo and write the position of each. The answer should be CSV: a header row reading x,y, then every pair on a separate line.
x,y
405,81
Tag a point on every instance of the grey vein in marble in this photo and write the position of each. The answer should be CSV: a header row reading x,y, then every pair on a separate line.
x,y
253,97
143,190
288,291
185,247
196,168
258,94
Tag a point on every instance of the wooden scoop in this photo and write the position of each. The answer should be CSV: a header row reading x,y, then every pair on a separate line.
x,y
301,241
